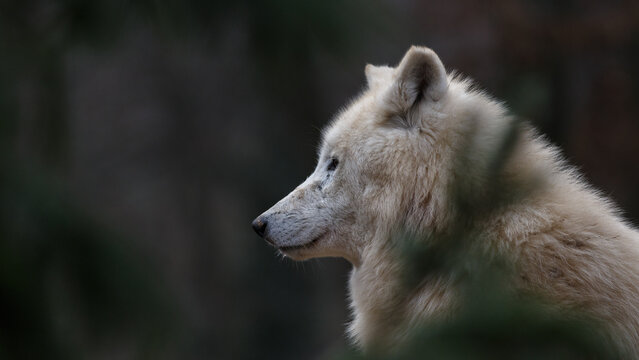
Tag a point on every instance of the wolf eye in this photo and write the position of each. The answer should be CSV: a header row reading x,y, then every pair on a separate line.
x,y
333,164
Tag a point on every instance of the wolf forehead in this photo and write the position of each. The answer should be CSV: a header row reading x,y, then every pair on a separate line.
x,y
412,96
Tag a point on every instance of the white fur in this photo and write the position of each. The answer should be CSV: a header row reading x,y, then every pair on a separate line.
x,y
396,145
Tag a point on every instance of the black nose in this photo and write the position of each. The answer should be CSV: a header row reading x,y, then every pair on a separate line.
x,y
259,225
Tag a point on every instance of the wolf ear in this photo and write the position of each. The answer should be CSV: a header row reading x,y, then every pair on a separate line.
x,y
419,75
377,75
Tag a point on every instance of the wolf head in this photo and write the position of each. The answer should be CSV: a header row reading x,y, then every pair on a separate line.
x,y
378,166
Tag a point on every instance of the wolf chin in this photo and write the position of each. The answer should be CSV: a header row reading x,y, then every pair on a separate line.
x,y
387,163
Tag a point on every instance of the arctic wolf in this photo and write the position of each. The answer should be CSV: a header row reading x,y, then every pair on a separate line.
x,y
387,163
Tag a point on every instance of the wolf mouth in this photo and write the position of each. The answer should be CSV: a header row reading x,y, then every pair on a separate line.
x,y
307,245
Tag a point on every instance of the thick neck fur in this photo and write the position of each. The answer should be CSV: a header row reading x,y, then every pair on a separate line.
x,y
567,242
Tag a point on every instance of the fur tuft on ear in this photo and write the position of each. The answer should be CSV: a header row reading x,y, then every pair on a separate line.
x,y
376,76
419,75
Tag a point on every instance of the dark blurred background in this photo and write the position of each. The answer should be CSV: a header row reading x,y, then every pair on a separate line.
x,y
140,138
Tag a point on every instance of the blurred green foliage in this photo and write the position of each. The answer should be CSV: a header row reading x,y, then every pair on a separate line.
x,y
493,324
68,285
